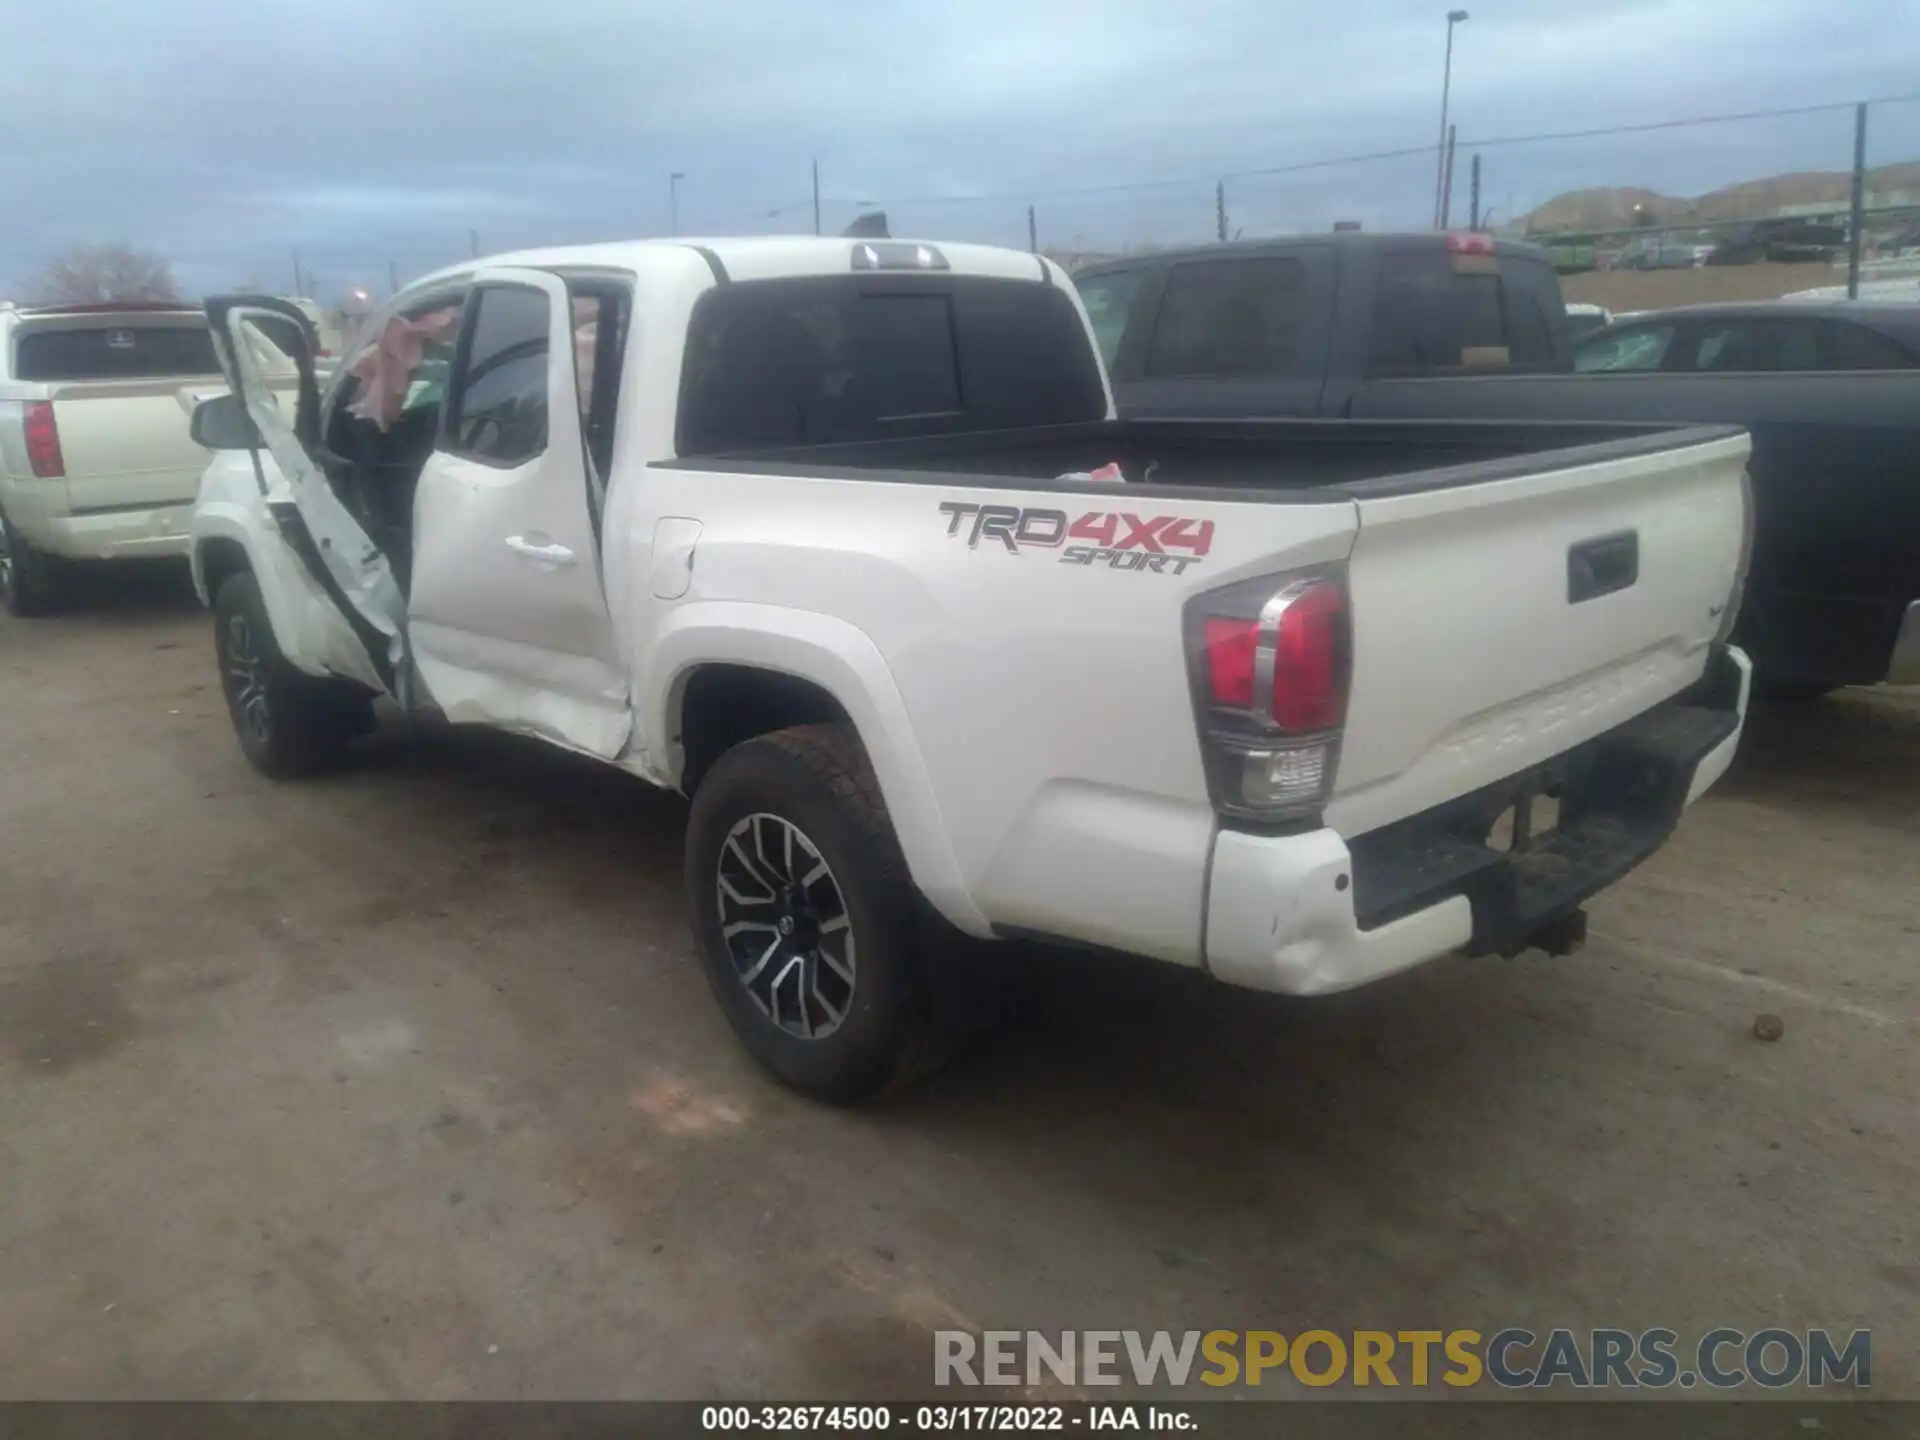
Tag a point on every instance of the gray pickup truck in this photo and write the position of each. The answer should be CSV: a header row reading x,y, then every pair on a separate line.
x,y
1427,327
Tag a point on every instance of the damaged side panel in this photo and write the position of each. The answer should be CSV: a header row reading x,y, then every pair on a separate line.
x,y
508,622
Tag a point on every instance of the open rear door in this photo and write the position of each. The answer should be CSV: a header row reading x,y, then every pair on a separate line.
x,y
338,553
508,622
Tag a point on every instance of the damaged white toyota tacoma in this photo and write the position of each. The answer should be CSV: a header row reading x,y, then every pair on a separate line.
x,y
841,539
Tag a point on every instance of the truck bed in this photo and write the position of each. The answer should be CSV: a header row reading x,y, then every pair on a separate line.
x,y
1302,460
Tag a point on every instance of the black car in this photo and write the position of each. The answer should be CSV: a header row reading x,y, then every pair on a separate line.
x,y
1433,330
1781,241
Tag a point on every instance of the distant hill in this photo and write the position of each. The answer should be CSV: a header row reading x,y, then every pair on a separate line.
x,y
1604,209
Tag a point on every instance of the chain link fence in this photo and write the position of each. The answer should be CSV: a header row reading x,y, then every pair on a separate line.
x,y
1634,213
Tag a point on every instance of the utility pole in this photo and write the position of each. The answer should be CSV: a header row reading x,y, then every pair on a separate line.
x,y
296,274
816,196
1220,210
393,278
1033,232
1858,221
1446,181
1473,194
1454,17
473,243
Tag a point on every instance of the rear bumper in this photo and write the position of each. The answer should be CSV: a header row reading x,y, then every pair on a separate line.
x,y
1904,669
128,534
1310,915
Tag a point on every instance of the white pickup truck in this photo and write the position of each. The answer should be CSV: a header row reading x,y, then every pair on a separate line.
x,y
95,461
815,532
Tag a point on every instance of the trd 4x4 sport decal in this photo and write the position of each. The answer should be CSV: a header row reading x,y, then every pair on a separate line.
x,y
1155,544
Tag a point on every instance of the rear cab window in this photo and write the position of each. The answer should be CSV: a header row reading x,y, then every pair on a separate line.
x,y
776,363
135,347
1238,316
1436,310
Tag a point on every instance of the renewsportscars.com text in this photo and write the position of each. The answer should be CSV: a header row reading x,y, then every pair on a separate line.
x,y
1514,1358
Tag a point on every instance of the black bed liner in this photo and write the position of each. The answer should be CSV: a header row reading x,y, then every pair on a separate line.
x,y
1299,461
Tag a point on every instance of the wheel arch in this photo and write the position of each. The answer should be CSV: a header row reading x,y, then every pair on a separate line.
x,y
313,635
728,672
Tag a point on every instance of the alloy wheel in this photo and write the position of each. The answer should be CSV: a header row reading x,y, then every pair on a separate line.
x,y
786,927
246,680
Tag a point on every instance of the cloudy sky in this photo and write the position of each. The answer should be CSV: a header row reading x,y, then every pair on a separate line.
x,y
228,134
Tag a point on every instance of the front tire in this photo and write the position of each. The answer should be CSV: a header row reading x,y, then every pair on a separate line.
x,y
29,580
289,724
804,912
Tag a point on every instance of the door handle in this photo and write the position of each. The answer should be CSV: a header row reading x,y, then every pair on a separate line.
x,y
1602,565
557,556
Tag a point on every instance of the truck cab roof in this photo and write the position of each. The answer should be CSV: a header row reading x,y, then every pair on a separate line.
x,y
769,257
1354,241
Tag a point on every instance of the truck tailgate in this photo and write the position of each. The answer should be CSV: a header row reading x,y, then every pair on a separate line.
x,y
1498,624
126,445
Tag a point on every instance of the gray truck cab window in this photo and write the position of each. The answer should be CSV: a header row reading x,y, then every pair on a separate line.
x,y
1109,300
1229,317
498,412
1437,311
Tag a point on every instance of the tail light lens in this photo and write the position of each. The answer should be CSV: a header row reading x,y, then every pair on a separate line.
x,y
1469,243
1270,663
43,440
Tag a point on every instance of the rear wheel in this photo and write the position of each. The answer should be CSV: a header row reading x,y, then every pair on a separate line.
x,y
289,724
29,580
804,912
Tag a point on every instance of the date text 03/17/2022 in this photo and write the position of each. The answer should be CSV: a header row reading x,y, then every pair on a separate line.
x,y
941,1419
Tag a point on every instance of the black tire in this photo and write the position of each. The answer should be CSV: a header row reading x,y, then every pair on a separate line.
x,y
1769,688
814,781
29,580
289,724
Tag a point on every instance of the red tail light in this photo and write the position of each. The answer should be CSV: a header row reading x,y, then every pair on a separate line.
x,y
43,440
1230,647
1470,244
1309,688
1271,672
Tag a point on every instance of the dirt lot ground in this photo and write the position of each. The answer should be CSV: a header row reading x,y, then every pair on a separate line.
x,y
1663,289
404,1083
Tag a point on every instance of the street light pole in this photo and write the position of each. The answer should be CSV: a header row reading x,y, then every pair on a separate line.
x,y
673,200
1454,17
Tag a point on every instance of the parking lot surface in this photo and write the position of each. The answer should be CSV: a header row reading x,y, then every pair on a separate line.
x,y
405,1082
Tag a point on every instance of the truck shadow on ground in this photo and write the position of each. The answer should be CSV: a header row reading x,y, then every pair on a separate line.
x,y
1099,1030
1097,1043
1856,748
120,591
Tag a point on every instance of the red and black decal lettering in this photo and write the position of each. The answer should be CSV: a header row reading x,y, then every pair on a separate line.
x,y
1120,541
1098,528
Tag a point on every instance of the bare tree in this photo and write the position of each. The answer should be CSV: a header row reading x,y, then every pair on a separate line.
x,y
98,274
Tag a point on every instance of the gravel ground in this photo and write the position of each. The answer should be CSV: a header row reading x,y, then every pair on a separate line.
x,y
404,1082
1663,289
